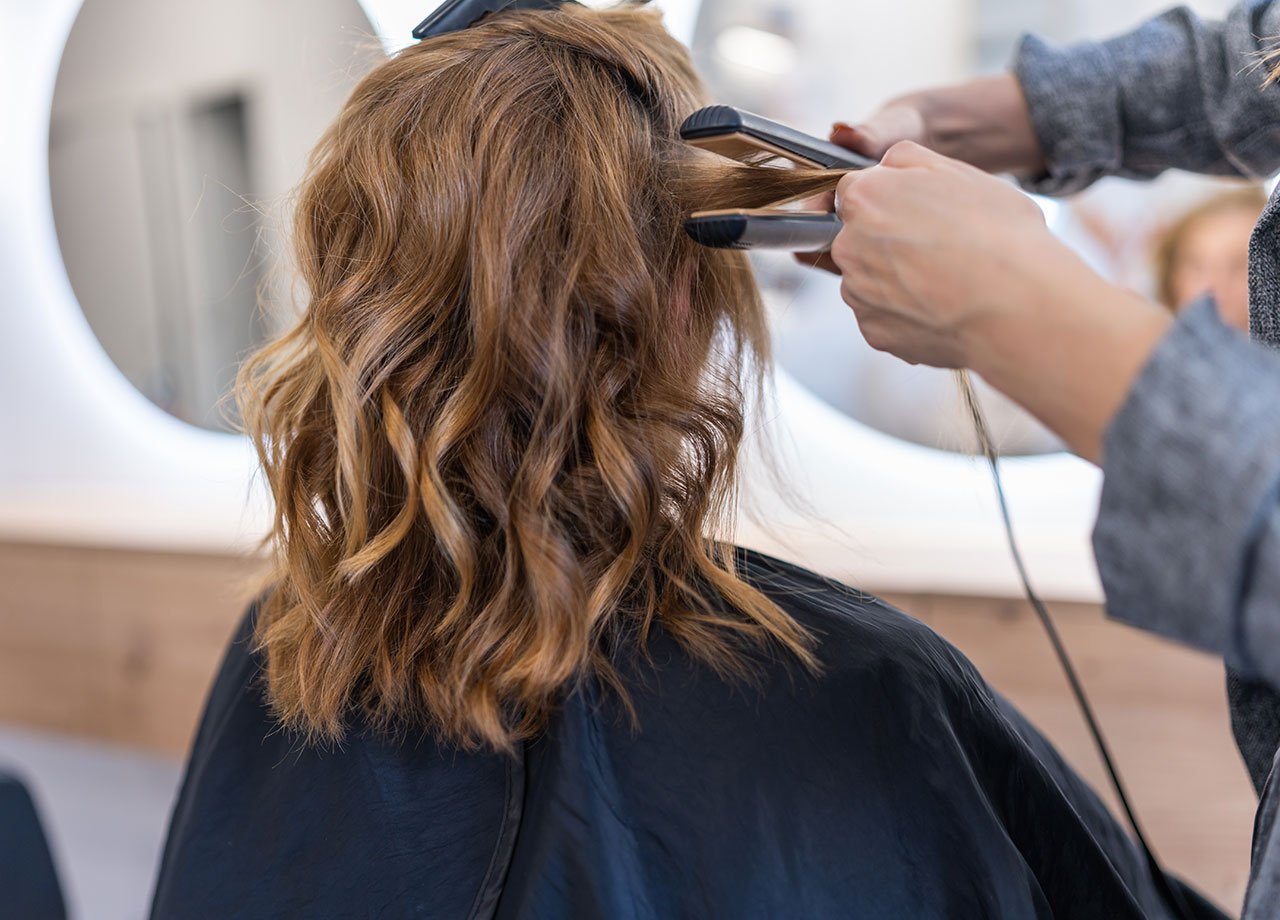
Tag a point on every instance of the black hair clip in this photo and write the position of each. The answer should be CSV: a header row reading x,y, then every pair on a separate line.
x,y
456,15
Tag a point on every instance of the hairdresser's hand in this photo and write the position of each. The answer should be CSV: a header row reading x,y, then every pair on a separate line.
x,y
900,119
934,250
984,122
946,265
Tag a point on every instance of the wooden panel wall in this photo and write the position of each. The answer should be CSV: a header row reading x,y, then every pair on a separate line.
x,y
121,645
116,644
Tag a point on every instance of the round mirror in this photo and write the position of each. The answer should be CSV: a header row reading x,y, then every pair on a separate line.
x,y
174,140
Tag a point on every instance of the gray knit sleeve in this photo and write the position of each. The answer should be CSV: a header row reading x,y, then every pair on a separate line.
x,y
1174,93
1188,531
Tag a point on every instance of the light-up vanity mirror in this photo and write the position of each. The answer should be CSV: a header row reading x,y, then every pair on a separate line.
x,y
172,141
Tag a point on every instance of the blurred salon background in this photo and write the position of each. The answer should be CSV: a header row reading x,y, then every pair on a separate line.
x,y
147,173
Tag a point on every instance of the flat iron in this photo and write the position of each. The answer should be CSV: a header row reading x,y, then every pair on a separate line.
x,y
737,135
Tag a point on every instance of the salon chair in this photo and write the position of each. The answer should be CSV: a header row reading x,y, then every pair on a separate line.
x,y
29,887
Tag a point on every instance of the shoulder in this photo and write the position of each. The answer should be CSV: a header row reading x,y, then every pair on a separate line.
x,y
853,765
879,671
267,826
859,637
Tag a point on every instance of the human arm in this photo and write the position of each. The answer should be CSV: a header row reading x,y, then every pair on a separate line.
x,y
948,266
984,122
1175,92
1188,532
1184,418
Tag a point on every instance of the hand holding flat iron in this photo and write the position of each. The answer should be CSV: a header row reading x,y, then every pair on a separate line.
x,y
945,264
935,252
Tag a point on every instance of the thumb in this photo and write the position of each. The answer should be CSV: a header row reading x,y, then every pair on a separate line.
x,y
861,138
845,186
901,120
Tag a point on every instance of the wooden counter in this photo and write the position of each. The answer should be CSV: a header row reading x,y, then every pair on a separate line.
x,y
121,645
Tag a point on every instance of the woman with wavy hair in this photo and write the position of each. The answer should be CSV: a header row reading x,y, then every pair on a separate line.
x,y
503,667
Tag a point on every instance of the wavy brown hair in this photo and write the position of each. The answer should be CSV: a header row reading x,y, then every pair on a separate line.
x,y
503,435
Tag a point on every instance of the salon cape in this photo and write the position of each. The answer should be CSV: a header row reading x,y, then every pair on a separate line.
x,y
896,784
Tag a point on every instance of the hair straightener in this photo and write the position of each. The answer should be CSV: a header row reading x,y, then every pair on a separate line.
x,y
739,135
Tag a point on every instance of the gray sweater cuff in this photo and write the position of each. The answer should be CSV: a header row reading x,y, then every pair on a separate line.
x,y
1073,96
1192,466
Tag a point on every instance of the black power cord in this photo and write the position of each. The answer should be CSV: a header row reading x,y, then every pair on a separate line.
x,y
1172,897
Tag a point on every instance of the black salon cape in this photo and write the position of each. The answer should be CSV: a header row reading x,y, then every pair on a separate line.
x,y
896,785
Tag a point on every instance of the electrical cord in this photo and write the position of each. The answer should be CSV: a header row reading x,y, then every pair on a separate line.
x,y
1173,899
